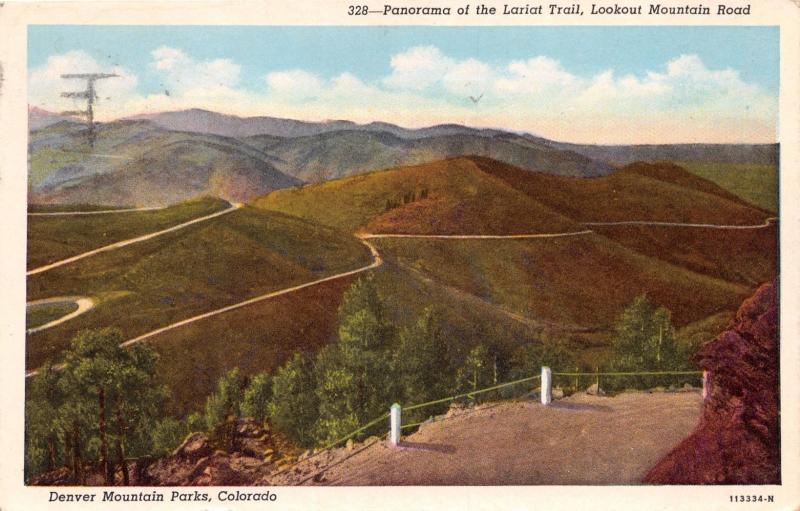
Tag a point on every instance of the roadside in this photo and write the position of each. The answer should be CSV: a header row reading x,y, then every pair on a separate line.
x,y
582,439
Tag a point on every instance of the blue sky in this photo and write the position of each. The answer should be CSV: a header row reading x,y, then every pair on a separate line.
x,y
426,74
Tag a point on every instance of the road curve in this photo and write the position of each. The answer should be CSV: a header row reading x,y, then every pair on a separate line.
x,y
768,222
84,304
131,241
376,261
97,212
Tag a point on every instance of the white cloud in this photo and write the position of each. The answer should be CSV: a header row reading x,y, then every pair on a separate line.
x,y
183,74
295,83
418,68
682,100
45,84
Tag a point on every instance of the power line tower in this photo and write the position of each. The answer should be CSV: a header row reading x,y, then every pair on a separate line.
x,y
89,94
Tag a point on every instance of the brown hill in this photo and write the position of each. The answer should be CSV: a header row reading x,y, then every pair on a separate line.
x,y
476,195
738,438
453,196
655,192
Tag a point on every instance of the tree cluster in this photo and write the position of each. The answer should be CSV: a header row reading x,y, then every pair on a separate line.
x,y
97,410
407,198
645,340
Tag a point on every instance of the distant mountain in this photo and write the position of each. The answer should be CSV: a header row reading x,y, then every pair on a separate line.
x,y
203,121
39,118
349,152
171,154
138,163
759,154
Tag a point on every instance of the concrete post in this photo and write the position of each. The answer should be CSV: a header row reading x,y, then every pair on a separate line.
x,y
394,425
706,384
547,386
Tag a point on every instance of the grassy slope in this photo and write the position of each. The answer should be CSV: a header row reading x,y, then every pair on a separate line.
x,y
585,280
704,330
202,267
52,238
638,192
54,208
461,199
746,257
43,314
757,184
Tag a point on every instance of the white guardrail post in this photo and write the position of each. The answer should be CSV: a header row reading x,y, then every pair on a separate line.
x,y
394,425
547,386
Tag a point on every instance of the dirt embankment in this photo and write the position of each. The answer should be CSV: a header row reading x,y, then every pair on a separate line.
x,y
738,438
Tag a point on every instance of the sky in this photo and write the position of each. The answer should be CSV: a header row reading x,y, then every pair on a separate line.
x,y
657,84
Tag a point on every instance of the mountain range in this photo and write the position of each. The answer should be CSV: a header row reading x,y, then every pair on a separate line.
x,y
163,158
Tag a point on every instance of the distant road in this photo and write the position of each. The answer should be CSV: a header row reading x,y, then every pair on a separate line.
x,y
768,222
131,241
476,236
98,212
84,304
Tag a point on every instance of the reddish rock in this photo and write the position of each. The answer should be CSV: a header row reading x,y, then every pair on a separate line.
x,y
738,438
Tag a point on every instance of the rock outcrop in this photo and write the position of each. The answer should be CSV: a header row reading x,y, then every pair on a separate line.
x,y
738,438
236,453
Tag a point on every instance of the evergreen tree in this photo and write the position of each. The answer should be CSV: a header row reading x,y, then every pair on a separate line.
x,y
256,397
354,383
477,370
294,405
226,400
167,434
644,341
421,360
109,395
43,426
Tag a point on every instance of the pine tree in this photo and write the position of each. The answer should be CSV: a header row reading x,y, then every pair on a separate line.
x,y
421,360
354,383
294,405
109,394
256,397
644,341
226,399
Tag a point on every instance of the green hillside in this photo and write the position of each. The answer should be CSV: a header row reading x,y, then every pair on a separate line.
x,y
190,271
473,195
53,238
584,280
757,184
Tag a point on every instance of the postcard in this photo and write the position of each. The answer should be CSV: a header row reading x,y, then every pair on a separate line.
x,y
416,255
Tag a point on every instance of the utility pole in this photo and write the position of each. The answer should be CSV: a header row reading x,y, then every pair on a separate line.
x,y
89,94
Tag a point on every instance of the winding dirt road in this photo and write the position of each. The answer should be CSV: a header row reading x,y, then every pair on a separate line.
x,y
131,241
84,304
